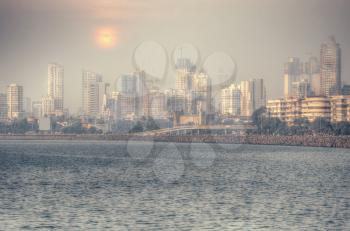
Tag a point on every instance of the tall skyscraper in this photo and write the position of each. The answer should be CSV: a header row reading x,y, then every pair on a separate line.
x,y
155,104
142,89
175,100
259,94
47,106
301,89
183,79
247,96
300,76
37,109
15,101
3,106
133,88
312,66
243,98
28,106
315,84
201,90
230,100
292,71
126,84
92,93
330,68
55,89
185,64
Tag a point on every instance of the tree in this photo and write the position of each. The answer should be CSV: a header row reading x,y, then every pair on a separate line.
x,y
138,127
272,126
342,128
258,116
151,124
92,130
267,125
75,128
321,125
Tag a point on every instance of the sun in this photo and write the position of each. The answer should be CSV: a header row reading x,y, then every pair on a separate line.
x,y
106,37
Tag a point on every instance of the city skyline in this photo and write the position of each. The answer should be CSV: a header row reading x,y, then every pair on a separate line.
x,y
174,115
89,42
318,76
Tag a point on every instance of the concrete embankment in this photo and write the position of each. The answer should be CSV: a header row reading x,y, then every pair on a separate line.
x,y
319,140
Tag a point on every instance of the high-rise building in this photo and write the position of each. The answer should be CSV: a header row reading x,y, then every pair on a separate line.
x,y
127,105
142,87
230,100
133,88
315,84
312,66
244,98
330,68
176,101
300,89
55,88
253,96
14,101
183,79
3,106
37,109
47,106
259,94
115,105
292,71
28,106
201,93
92,93
155,104
126,84
301,79
246,87
185,64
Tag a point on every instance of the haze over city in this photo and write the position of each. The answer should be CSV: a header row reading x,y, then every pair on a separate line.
x,y
259,35
174,115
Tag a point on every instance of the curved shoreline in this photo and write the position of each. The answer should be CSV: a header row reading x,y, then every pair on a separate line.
x,y
319,140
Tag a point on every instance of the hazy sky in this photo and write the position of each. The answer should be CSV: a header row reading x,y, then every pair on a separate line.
x,y
258,34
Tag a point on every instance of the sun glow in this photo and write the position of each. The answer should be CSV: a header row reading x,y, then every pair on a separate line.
x,y
106,37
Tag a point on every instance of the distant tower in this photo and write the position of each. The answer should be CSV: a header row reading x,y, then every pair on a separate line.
x,y
126,84
55,89
230,100
253,96
92,93
292,71
247,97
330,70
259,94
312,70
14,101
201,90
3,106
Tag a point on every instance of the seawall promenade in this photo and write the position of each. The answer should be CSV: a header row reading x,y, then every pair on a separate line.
x,y
319,140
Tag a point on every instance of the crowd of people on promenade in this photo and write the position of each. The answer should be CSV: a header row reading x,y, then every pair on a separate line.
x,y
316,140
